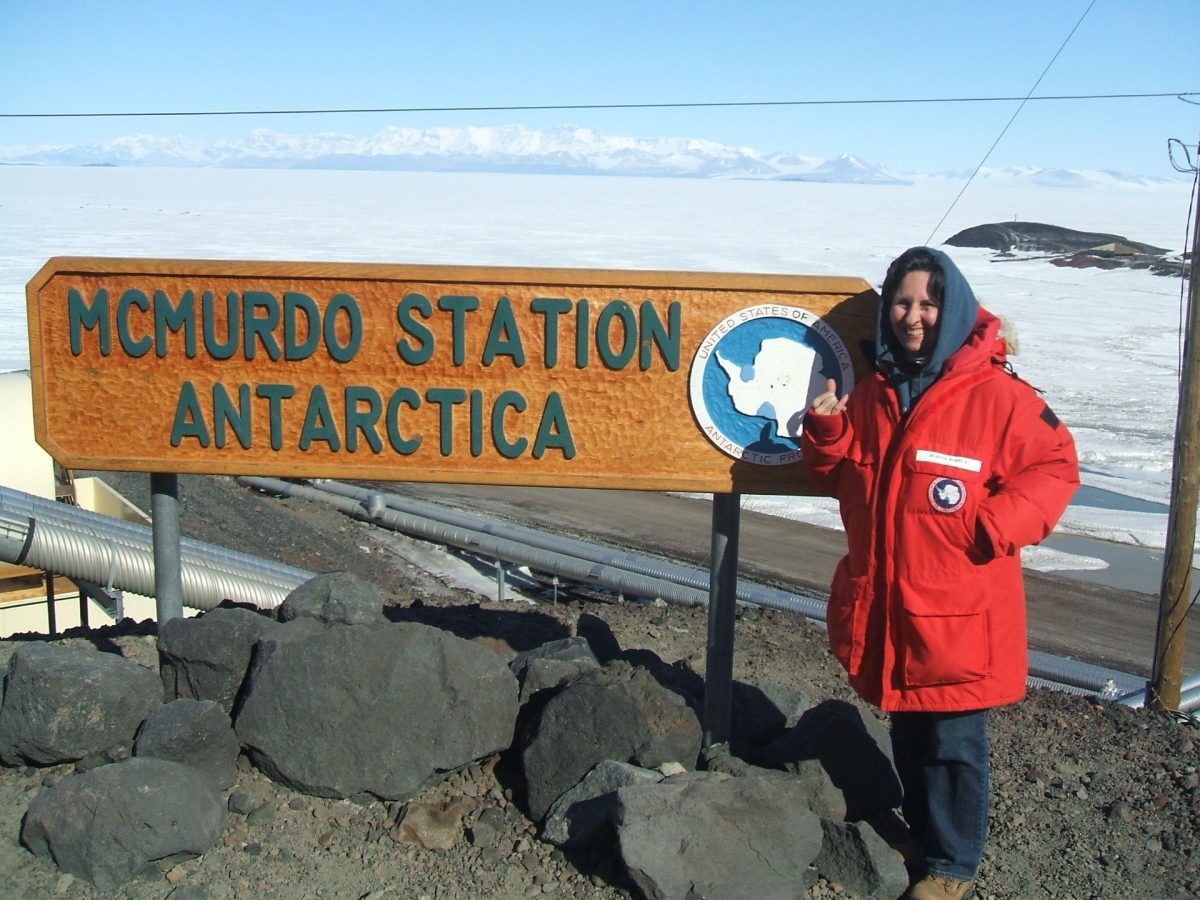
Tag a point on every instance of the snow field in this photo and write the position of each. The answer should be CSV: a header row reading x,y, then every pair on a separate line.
x,y
1102,345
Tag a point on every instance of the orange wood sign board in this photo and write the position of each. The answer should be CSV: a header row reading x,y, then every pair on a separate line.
x,y
560,377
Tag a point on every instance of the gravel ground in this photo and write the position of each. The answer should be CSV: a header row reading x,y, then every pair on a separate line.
x,y
1089,800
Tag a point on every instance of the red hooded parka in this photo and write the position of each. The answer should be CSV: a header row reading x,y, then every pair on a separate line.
x,y
927,610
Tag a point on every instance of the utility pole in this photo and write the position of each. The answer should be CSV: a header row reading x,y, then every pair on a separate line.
x,y
1175,598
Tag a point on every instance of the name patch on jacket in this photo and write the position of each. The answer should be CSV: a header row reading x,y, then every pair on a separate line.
x,y
947,494
945,459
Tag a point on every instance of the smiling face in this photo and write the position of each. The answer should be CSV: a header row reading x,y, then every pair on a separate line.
x,y
914,315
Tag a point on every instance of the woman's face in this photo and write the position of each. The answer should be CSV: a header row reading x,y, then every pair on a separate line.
x,y
914,315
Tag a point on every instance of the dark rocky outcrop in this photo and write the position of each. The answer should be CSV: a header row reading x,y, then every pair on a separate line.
x,y
195,733
551,664
113,822
206,658
807,781
676,677
1040,238
564,650
791,702
707,834
853,747
62,704
335,598
1073,249
858,859
582,817
616,712
335,711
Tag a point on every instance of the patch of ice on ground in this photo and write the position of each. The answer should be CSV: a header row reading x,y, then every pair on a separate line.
x,y
822,511
451,568
1142,529
1043,559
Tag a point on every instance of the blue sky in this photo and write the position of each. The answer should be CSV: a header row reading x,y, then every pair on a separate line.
x,y
91,56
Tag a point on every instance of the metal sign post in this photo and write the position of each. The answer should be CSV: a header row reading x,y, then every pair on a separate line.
x,y
168,577
722,611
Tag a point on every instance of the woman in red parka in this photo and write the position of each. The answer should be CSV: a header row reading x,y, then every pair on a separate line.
x,y
945,465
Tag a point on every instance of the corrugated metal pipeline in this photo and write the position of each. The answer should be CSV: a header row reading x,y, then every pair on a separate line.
x,y
106,551
88,556
1107,683
1044,670
1034,682
133,534
1189,701
571,567
1189,690
747,592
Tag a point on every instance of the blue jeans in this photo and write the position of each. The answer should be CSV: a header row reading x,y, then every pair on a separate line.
x,y
942,761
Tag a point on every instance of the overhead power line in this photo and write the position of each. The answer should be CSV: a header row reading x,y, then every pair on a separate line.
x,y
1004,130
585,106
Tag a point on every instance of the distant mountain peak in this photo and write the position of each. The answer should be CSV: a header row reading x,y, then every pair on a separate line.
x,y
566,149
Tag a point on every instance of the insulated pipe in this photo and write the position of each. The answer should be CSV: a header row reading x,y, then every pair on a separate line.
x,y
107,528
1084,675
96,548
139,535
1044,669
55,547
1035,682
747,592
1189,699
476,542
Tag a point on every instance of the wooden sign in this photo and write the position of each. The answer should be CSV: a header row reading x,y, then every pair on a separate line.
x,y
565,377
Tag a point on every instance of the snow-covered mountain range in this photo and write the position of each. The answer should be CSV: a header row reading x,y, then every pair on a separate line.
x,y
508,148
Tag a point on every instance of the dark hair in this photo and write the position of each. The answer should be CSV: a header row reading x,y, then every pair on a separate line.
x,y
915,259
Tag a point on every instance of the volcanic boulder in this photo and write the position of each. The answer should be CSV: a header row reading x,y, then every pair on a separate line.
x,y
552,663
62,704
113,822
206,658
335,598
338,710
707,834
807,782
858,859
582,817
761,713
852,746
564,650
195,733
617,712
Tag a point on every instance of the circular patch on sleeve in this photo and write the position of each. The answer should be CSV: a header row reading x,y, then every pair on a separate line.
x,y
947,494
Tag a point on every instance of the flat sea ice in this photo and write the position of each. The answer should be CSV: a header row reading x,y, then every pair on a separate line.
x,y
1102,345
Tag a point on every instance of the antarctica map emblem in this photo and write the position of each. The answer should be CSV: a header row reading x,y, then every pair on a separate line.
x,y
755,375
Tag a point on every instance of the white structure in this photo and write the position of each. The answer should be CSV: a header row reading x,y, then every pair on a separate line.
x,y
27,467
